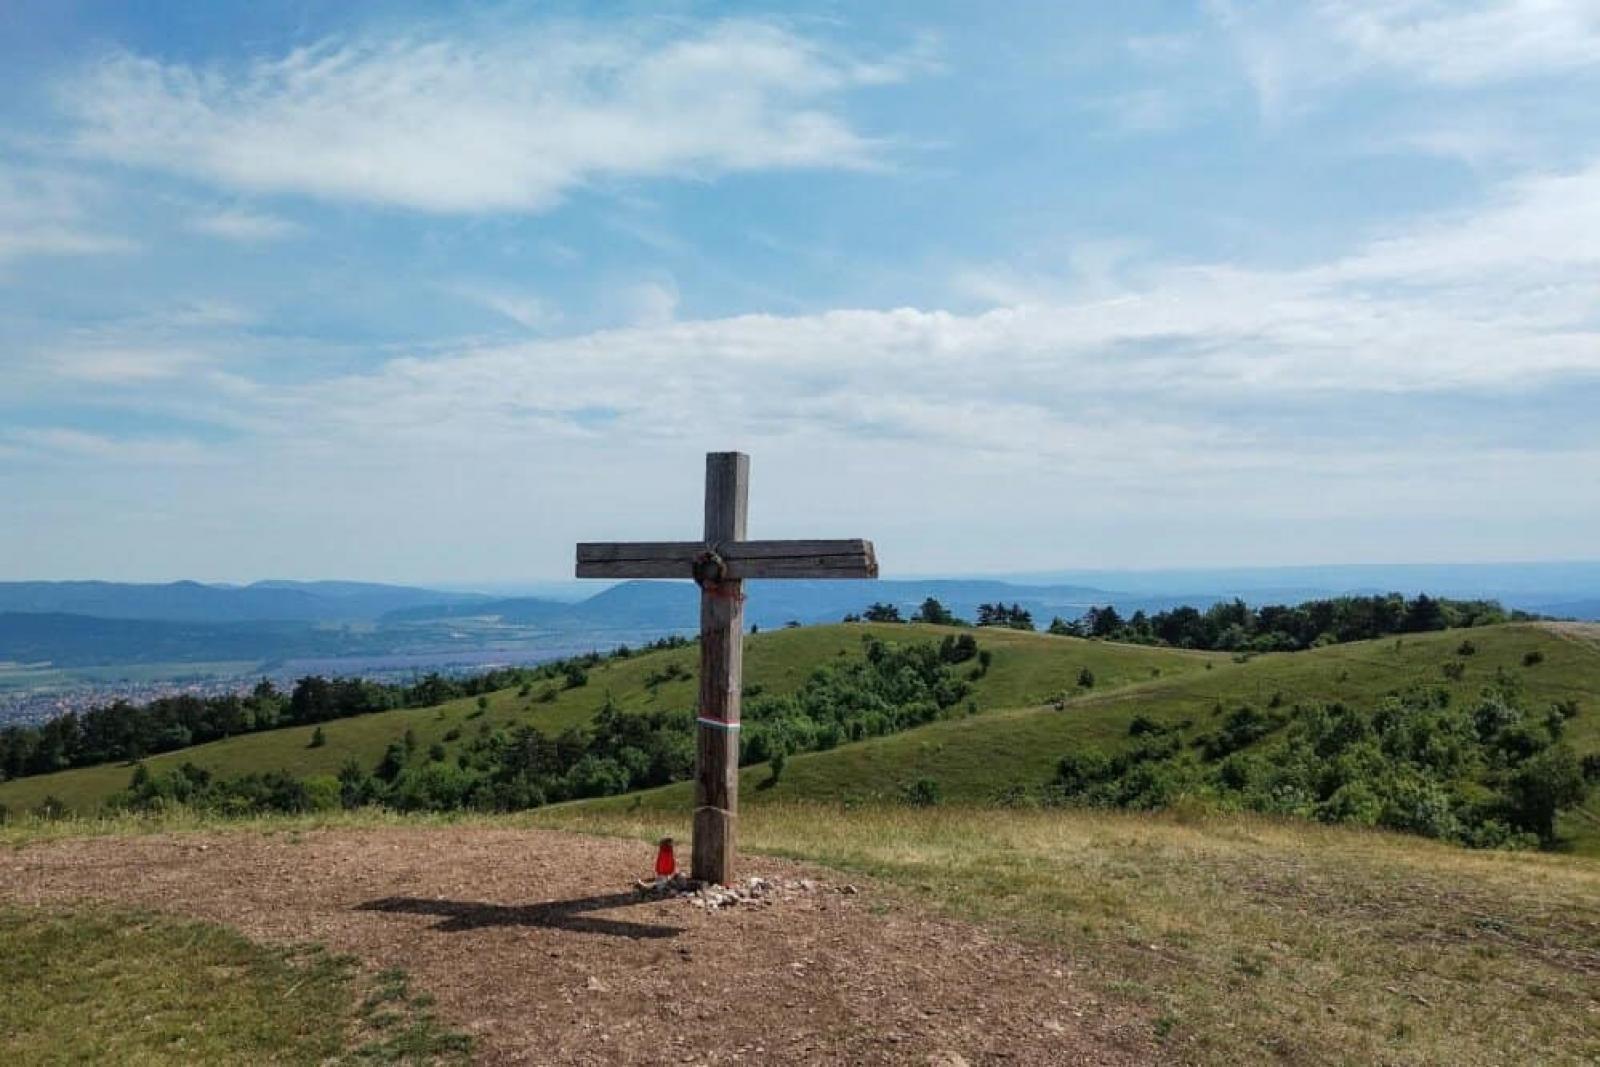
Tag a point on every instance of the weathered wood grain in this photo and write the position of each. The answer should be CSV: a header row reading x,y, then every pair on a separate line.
x,y
663,551
721,677
851,558
636,568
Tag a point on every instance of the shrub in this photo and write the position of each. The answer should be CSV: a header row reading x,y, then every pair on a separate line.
x,y
1414,804
323,792
923,793
431,787
1532,658
1078,771
1453,671
954,649
1085,678
1353,802
318,738
356,787
1242,727
1544,784
51,807
1466,648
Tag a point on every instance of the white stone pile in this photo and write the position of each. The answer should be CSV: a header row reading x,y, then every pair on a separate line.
x,y
753,890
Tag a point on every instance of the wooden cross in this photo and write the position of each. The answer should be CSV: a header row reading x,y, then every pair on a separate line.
x,y
719,565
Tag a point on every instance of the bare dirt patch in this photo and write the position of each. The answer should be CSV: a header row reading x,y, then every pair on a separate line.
x,y
535,943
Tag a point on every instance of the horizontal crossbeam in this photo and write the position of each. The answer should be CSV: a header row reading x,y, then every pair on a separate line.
x,y
852,558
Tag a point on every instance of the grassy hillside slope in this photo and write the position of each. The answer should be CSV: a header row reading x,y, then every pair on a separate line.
x,y
973,759
1027,668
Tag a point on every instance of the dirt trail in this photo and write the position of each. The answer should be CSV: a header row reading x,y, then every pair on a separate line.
x,y
530,941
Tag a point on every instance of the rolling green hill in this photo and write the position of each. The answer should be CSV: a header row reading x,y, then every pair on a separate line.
x,y
1022,716
1027,668
975,759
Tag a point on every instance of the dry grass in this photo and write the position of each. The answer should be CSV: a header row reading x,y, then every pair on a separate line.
x,y
1243,938
1246,938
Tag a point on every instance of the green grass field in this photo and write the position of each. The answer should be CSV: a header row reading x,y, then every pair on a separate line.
x,y
96,986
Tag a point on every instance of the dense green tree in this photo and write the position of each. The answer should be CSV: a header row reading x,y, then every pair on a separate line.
x,y
935,613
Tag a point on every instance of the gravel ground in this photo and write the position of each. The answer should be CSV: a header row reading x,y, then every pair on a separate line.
x,y
535,943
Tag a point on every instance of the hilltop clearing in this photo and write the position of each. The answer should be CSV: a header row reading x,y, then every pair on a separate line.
x,y
533,944
1099,937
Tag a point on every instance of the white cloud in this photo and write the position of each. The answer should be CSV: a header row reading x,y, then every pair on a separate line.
x,y
1486,301
1148,110
525,309
125,366
1494,300
504,122
1451,42
42,212
65,443
245,227
652,303
1291,52
1112,406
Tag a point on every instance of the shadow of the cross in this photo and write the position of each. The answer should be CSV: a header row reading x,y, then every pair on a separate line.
x,y
461,915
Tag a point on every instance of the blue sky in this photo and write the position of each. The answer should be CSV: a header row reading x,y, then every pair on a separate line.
x,y
426,293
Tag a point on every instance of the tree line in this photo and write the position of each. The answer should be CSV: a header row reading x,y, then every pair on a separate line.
x,y
1233,625
122,731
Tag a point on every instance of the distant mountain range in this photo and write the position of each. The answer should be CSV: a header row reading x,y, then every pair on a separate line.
x,y
273,601
1562,588
64,640
676,605
91,622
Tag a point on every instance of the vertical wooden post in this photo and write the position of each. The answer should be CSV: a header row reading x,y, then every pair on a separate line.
x,y
716,802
